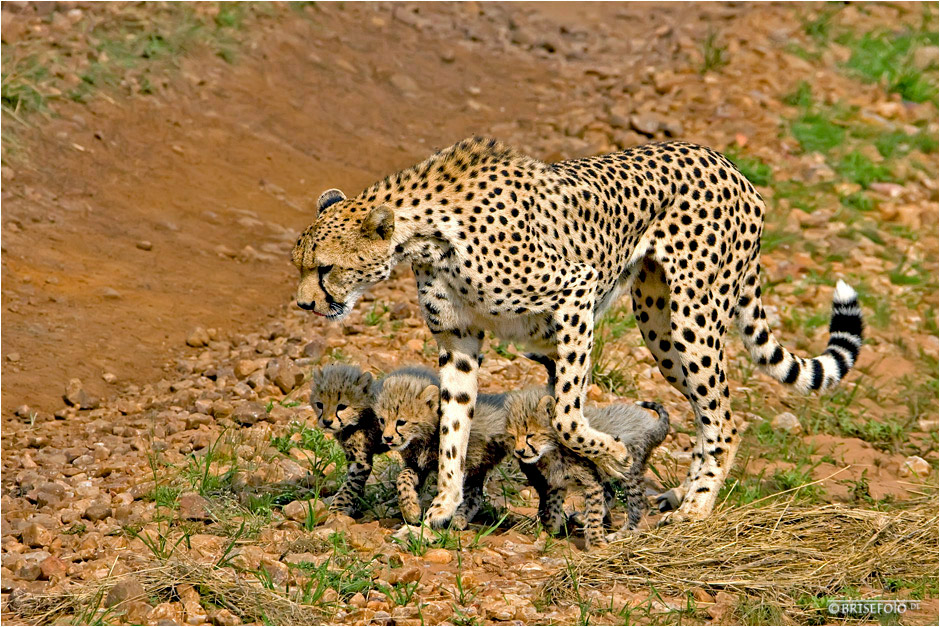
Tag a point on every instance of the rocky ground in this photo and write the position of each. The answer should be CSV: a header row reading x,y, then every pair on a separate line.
x,y
159,161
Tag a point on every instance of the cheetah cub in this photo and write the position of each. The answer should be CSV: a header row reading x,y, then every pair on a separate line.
x,y
408,405
342,397
529,415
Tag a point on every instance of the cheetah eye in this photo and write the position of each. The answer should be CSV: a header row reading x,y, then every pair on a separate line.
x,y
400,423
318,405
340,407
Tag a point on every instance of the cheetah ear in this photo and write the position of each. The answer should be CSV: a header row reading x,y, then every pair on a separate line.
x,y
365,380
329,197
430,395
546,406
379,224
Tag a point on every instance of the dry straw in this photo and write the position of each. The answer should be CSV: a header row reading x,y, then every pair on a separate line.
x,y
777,553
250,601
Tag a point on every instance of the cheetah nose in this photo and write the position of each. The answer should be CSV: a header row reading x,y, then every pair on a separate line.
x,y
327,422
308,306
387,438
520,452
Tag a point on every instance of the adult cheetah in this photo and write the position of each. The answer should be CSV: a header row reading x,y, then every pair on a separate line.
x,y
534,252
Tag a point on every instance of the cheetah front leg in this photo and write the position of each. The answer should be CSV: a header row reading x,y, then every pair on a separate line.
x,y
574,329
347,499
595,505
408,500
458,359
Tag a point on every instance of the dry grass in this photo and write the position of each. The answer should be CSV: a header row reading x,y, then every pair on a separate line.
x,y
776,553
249,600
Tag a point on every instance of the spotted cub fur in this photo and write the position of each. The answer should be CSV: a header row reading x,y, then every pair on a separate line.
x,y
536,444
408,406
343,397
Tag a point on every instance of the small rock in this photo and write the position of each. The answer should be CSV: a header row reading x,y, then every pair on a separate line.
x,y
404,84
223,617
193,506
97,511
314,349
284,374
246,367
126,590
198,337
914,465
194,612
53,567
13,357
787,422
76,396
723,608
109,377
928,425
144,245
415,345
110,293
22,411
166,614
37,536
646,123
299,510
399,311
249,413
438,556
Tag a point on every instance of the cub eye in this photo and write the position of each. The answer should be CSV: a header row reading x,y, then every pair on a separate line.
x,y
318,405
400,423
340,407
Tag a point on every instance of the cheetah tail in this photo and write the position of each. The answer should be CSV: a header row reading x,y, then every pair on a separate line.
x,y
845,339
662,424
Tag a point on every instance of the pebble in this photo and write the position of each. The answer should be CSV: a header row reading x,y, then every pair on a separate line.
x,y
127,589
197,337
110,293
144,245
248,414
76,396
915,466
192,506
36,536
97,511
787,422
438,556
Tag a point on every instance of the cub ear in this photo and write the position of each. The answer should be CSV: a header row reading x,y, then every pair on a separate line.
x,y
430,395
379,224
329,197
365,381
546,406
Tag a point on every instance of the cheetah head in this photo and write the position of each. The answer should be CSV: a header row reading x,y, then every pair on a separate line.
x,y
409,411
340,395
529,424
343,253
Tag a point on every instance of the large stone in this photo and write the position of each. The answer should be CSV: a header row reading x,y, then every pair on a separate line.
x,y
223,617
300,510
646,123
53,567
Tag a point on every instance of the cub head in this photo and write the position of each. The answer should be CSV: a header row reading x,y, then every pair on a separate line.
x,y
408,407
339,395
345,251
529,423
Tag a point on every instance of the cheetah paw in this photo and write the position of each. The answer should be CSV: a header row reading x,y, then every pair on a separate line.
x,y
672,518
670,499
439,514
